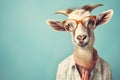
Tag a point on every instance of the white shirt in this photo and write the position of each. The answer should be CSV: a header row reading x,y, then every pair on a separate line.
x,y
67,70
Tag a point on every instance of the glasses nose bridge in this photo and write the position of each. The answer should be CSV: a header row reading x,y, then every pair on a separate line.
x,y
79,21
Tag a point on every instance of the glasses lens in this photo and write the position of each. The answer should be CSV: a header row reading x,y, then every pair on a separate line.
x,y
70,25
89,22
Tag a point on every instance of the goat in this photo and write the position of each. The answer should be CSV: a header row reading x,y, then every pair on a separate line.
x,y
84,63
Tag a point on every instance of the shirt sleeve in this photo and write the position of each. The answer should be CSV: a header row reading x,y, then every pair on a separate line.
x,y
107,72
108,75
60,73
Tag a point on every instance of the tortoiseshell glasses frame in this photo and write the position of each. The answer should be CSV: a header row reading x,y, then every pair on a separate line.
x,y
76,22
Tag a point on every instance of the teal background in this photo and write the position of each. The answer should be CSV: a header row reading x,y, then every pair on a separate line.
x,y
31,50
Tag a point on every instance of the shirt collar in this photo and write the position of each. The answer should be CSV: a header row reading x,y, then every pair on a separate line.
x,y
73,66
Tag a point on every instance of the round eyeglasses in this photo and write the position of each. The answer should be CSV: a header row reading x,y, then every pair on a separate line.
x,y
88,22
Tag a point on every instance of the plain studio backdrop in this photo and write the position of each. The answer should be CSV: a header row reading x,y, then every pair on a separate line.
x,y
31,50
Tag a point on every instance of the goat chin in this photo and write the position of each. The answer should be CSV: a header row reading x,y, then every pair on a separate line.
x,y
83,44
84,47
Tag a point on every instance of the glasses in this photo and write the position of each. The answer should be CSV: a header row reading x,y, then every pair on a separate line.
x,y
88,22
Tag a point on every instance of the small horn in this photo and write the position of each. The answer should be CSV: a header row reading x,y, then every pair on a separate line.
x,y
90,8
65,12
62,12
95,6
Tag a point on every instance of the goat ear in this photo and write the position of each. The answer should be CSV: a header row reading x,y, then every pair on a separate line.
x,y
104,17
56,25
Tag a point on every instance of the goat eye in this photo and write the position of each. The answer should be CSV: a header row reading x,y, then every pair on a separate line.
x,y
70,25
89,22
85,21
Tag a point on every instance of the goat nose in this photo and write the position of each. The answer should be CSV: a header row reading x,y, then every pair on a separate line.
x,y
81,37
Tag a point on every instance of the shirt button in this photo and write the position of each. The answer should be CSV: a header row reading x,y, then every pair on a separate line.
x,y
73,67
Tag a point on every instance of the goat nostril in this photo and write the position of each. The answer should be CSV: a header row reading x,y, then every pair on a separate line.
x,y
84,37
79,37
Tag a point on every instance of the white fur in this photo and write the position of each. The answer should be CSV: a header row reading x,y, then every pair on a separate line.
x,y
78,14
